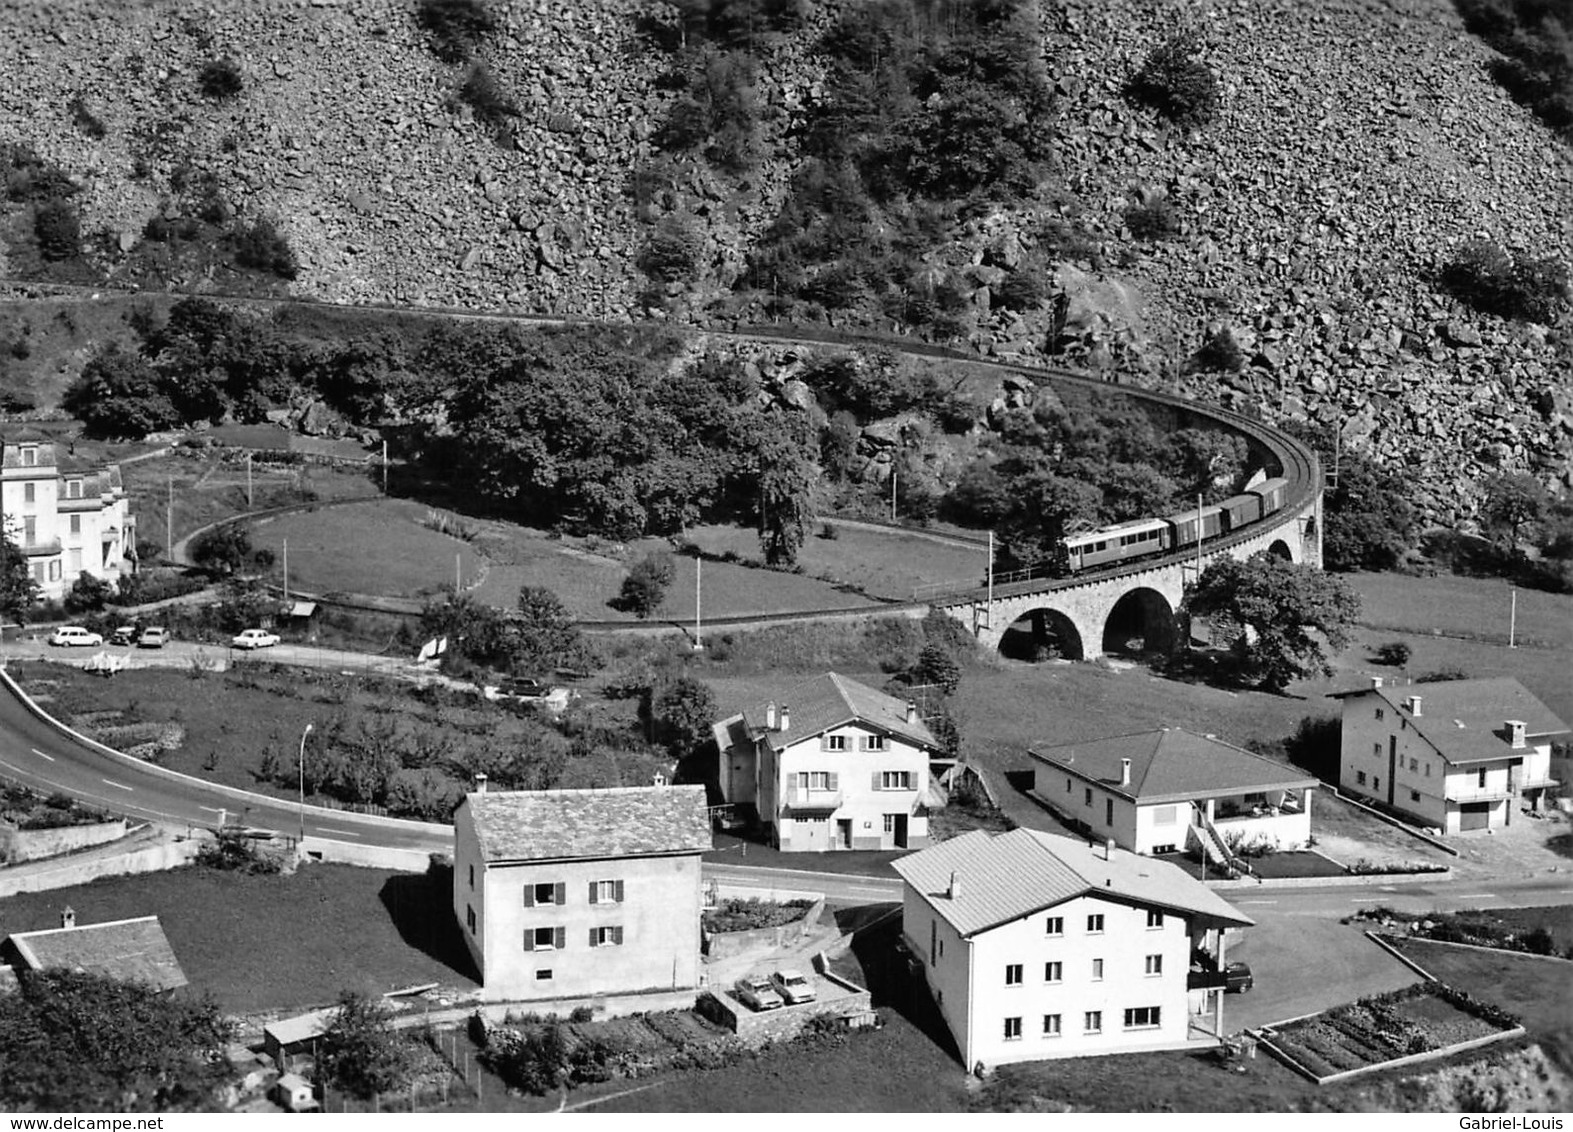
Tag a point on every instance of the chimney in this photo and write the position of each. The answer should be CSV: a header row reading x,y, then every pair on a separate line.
x,y
954,892
1125,772
1108,848
770,716
786,717
68,917
1413,704
1376,682
480,783
658,780
1515,734
912,711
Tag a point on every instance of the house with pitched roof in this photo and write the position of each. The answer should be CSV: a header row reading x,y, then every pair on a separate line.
x,y
132,951
1036,946
1455,755
832,764
566,893
1169,791
67,520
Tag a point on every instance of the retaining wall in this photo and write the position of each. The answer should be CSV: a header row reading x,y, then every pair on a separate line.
x,y
730,945
366,856
154,858
18,845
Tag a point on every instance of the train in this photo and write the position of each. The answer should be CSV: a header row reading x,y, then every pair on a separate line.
x,y
1141,537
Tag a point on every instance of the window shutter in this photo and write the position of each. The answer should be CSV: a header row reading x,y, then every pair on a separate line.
x,y
832,781
560,894
529,896
862,742
619,892
876,780
529,939
824,742
593,896
561,938
617,935
592,937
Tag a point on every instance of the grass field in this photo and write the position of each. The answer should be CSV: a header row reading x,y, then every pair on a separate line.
x,y
278,942
1472,607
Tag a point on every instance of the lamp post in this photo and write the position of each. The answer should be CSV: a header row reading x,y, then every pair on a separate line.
x,y
301,766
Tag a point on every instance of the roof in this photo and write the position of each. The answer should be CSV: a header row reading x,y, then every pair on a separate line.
x,y
133,951
833,700
1465,719
629,821
302,1027
1003,877
1172,765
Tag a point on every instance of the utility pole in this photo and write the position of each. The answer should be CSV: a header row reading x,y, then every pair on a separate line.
x,y
1198,538
248,481
385,467
458,572
892,495
1512,619
699,643
991,580
169,524
286,570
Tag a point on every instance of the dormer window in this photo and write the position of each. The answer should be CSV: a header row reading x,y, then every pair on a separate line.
x,y
29,456
73,489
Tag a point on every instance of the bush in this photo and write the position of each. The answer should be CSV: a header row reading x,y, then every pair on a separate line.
x,y
233,852
220,79
1442,675
1489,279
84,118
673,252
1220,353
493,106
1175,83
457,28
1152,221
644,589
1395,653
263,247
58,229
747,915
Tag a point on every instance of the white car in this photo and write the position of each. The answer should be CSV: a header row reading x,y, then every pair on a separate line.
x,y
255,639
792,986
70,635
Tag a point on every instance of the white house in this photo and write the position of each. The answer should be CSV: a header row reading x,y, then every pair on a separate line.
x,y
568,893
834,764
1036,946
67,521
1454,755
1169,790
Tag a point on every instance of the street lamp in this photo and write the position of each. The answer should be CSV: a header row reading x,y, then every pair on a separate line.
x,y
301,766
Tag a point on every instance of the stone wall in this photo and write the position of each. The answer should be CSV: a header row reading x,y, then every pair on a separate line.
x,y
731,945
155,858
18,845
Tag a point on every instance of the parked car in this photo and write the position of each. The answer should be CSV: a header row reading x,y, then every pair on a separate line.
x,y
255,639
68,636
125,635
1237,978
756,993
791,985
553,698
153,637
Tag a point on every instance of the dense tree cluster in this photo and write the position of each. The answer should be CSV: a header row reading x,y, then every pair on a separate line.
x,y
1535,38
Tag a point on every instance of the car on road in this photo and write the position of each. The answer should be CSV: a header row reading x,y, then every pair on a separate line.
x,y
792,986
71,636
1237,978
153,637
255,639
125,635
756,993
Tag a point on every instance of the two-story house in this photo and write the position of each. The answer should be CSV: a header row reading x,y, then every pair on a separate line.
x,y
1036,946
567,893
67,521
834,764
1454,755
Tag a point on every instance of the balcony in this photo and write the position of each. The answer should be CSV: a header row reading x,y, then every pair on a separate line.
x,y
44,549
1476,794
811,801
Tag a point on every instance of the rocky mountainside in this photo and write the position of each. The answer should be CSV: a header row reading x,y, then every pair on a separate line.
x,y
1357,142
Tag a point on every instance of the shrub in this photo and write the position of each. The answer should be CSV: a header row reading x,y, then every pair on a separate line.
x,y
1154,220
747,915
673,252
220,79
1395,653
493,106
263,247
1220,353
230,851
1486,277
1442,675
644,589
84,118
58,229
457,28
1175,83
1021,290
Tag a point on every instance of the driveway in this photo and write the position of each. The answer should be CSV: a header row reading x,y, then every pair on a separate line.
x,y
1303,964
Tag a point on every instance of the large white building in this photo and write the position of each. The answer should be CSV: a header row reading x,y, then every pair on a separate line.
x,y
1455,755
1036,946
833,764
68,521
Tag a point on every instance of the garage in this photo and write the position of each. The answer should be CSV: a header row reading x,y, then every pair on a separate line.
x,y
1474,815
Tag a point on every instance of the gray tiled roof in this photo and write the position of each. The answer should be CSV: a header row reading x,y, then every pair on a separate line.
x,y
832,700
1173,765
628,821
1002,877
129,950
1464,719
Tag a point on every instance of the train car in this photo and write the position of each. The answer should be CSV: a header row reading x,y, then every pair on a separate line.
x,y
1272,493
1183,526
1119,542
1239,510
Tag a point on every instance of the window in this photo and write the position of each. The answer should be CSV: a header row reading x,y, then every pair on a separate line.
x,y
1376,750
469,918
1380,714
1051,1025
1482,781
1087,801
606,937
472,876
29,530
1012,1029
1053,972
1155,964
543,975
933,941
894,780
819,780
835,743
76,524
545,939
1360,777
73,489
873,742
1054,925
29,493
1013,974
1141,1018
548,893
38,571
1414,795
606,892
1108,811
1092,1022
1154,919
54,570
1163,815
1067,786
1097,970
890,822
1376,782
1414,765
1428,770
29,456
1095,924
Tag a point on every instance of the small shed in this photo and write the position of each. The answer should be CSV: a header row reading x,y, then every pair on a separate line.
x,y
294,1093
289,1037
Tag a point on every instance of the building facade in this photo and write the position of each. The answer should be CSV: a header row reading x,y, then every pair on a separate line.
x,y
833,765
1455,755
1037,947
67,521
572,893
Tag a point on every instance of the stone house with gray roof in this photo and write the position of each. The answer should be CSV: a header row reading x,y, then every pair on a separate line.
x,y
580,893
132,951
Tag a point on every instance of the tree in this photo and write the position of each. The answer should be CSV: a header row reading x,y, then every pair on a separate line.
x,y
18,587
58,229
476,633
785,473
547,638
935,665
120,394
1175,83
1270,607
1511,501
684,709
88,594
72,1041
223,549
644,589
361,1051
1370,524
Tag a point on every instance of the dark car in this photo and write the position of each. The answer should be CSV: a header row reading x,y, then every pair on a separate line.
x,y
1237,978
